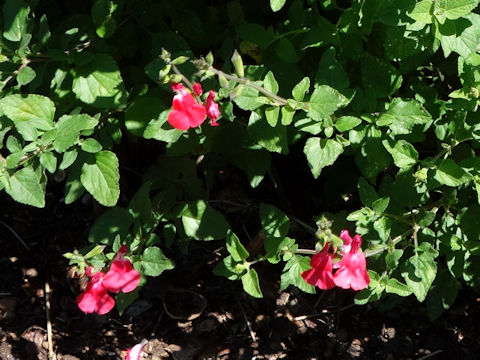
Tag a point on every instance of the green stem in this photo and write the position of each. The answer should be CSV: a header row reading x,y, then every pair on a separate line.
x,y
279,101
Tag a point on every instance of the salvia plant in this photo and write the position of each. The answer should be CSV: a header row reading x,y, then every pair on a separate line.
x,y
376,99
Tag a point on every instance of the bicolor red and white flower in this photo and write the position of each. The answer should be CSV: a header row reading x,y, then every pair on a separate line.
x,y
134,352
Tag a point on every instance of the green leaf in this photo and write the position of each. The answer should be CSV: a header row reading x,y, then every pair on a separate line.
x,y
99,83
24,186
366,192
346,123
124,300
422,12
25,76
286,51
68,159
271,114
403,153
154,262
29,113
453,9
202,222
450,174
251,285
159,129
73,187
292,274
404,115
274,222
91,146
324,102
270,138
102,18
277,4
391,259
396,287
101,178
461,35
301,89
330,71
270,84
287,115
235,247
69,128
229,268
443,294
248,99
420,270
141,112
48,161
114,222
15,13
321,153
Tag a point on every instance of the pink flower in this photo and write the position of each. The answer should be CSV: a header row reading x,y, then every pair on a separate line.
x,y
95,298
134,352
320,274
347,241
352,269
186,113
213,112
197,89
121,276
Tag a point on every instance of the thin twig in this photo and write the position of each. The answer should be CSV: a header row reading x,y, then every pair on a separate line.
x,y
430,355
51,354
252,334
15,234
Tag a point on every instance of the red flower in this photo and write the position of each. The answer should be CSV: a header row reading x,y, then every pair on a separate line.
x,y
134,352
121,276
347,241
352,270
321,272
197,89
95,298
186,113
213,112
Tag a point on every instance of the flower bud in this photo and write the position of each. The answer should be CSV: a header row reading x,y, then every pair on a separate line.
x,y
238,64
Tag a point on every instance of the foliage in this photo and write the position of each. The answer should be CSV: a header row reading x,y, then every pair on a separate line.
x,y
390,88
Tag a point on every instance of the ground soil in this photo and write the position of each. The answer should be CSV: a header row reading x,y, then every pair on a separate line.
x,y
189,313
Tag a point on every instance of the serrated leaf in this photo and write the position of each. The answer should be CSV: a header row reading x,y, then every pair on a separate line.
x,y
403,153
273,139
248,99
251,284
277,4
391,259
270,84
346,123
68,159
396,287
235,247
450,174
420,270
24,186
453,9
69,128
422,12
100,176
324,102
15,13
48,161
154,262
271,114
292,274
461,35
91,146
287,115
25,76
301,89
114,222
99,83
160,130
202,222
274,222
102,18
29,113
366,192
321,153
405,115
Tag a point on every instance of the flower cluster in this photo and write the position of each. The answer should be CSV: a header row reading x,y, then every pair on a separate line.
x,y
187,112
120,277
351,270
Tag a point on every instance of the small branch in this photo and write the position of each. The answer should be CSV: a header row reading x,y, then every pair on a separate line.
x,y
16,235
371,252
244,81
250,330
51,354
